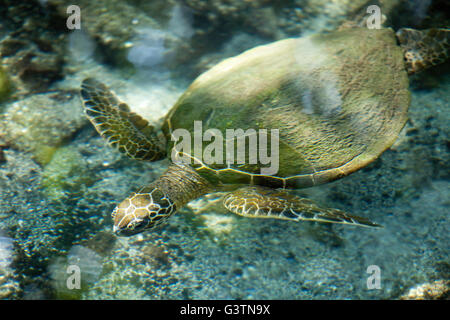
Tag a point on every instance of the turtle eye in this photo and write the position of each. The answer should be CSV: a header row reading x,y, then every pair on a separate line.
x,y
137,225
114,213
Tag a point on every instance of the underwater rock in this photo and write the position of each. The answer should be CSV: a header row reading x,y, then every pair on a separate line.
x,y
110,23
175,34
30,54
127,35
73,274
226,14
66,174
6,252
276,21
32,70
139,270
239,43
80,46
9,286
73,209
42,227
420,14
437,290
88,261
42,122
219,225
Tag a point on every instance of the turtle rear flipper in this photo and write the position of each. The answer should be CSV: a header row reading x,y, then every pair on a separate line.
x,y
262,202
123,129
425,48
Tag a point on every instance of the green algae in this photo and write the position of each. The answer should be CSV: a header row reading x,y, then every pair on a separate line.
x,y
44,154
66,174
5,85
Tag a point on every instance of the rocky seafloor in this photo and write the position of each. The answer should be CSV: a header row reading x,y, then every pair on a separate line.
x,y
59,180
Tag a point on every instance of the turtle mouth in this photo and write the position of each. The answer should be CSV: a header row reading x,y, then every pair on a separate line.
x,y
124,232
131,229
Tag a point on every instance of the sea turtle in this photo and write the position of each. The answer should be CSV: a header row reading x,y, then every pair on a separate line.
x,y
335,102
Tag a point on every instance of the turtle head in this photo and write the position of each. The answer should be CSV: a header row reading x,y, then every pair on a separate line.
x,y
141,211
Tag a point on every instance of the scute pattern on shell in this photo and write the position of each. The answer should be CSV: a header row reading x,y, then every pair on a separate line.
x,y
338,100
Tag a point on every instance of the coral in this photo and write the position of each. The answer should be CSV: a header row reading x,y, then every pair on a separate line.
x,y
219,225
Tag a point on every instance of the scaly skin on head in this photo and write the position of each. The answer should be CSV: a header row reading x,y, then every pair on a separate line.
x,y
424,48
153,204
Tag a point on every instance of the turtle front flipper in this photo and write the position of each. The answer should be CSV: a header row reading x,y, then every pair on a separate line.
x,y
123,129
262,202
424,48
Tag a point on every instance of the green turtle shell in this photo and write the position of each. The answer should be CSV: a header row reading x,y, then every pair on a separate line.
x,y
338,101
